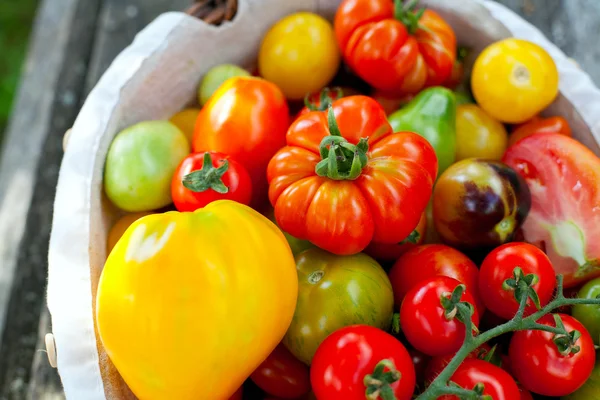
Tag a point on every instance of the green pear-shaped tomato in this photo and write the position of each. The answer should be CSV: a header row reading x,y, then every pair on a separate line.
x,y
589,315
333,292
140,164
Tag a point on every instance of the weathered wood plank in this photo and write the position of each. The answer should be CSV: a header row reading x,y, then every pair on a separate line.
x,y
51,93
45,383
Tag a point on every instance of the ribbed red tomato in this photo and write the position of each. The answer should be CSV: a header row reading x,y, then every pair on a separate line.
x,y
564,180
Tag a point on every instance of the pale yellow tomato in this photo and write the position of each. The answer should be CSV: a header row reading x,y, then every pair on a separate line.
x,y
186,120
478,135
514,79
299,54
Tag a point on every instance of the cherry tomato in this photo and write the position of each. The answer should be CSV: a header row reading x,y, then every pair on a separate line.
x,y
343,206
246,118
513,80
391,252
437,364
564,180
499,265
350,354
589,315
423,319
478,135
186,120
299,54
497,383
427,261
202,178
525,394
395,55
540,125
539,366
479,203
282,375
237,395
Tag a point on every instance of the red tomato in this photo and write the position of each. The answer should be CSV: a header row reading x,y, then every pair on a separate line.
x,y
320,101
525,394
456,76
202,178
497,383
437,364
395,55
540,367
348,355
391,252
246,118
282,375
237,395
420,362
341,208
424,262
390,102
564,180
540,125
423,319
499,265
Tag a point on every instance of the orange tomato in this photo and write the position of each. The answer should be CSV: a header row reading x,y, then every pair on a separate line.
x,y
540,125
185,120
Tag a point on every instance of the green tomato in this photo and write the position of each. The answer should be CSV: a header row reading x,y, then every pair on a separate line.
x,y
589,315
591,388
334,292
140,164
215,78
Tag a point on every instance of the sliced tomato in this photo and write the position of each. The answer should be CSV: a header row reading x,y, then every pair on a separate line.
x,y
564,180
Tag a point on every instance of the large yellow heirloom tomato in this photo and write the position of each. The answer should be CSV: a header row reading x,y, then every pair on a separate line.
x,y
513,80
189,304
299,54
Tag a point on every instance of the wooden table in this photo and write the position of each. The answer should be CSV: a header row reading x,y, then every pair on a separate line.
x,y
73,43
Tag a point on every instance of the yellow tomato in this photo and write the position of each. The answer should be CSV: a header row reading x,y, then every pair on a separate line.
x,y
190,304
186,120
119,228
478,135
513,80
299,54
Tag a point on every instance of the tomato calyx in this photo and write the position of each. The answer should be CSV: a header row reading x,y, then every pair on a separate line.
x,y
522,285
326,97
378,383
454,307
208,177
564,340
341,160
413,238
406,14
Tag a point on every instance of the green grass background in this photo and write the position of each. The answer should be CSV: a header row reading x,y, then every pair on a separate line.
x,y
16,19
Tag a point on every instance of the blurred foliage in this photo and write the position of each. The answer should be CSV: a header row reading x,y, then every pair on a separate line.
x,y
16,19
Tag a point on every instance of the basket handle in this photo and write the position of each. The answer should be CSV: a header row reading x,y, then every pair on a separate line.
x,y
214,12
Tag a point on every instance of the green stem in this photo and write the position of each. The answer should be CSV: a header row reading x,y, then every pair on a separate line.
x,y
208,177
439,386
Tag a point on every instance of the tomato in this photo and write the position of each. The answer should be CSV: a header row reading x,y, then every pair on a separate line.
x,y
589,315
540,125
423,319
299,54
282,375
433,260
437,364
140,163
320,101
237,395
185,120
420,361
183,280
478,135
297,245
376,192
215,77
497,383
525,394
390,102
336,291
391,252
395,55
202,178
499,265
345,363
119,228
590,389
564,179
479,203
539,366
513,80
246,118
